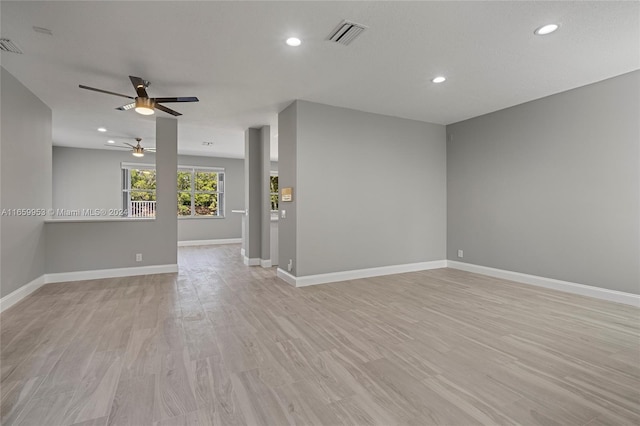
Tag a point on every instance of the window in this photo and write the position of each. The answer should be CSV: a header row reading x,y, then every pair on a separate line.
x,y
273,188
139,190
200,192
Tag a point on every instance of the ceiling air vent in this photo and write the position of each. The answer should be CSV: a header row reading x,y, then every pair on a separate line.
x,y
346,32
7,45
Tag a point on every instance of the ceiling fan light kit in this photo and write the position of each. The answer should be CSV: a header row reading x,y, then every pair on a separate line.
x,y
136,150
144,106
142,103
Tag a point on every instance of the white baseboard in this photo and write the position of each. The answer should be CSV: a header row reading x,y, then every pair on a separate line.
x,y
286,277
355,274
265,263
16,296
251,262
209,242
565,286
110,273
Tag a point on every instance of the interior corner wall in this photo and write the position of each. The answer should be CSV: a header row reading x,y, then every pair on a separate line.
x,y
25,156
253,193
552,187
287,178
265,193
371,190
92,179
217,228
86,246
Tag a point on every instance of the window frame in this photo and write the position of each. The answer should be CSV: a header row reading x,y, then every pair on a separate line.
x,y
126,187
277,194
126,181
220,192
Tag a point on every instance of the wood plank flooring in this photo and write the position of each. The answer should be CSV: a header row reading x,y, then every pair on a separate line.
x,y
224,344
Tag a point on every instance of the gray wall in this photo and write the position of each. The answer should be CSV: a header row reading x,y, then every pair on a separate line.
x,y
253,192
265,175
25,157
74,247
551,187
287,168
89,178
220,228
371,190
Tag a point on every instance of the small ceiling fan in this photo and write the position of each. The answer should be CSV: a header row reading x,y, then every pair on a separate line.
x,y
142,103
137,150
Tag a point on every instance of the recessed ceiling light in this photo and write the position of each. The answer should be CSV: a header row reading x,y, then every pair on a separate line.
x,y
294,41
438,79
546,29
110,141
102,129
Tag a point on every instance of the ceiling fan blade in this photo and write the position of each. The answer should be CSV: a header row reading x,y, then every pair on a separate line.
x,y
168,110
127,107
104,91
140,86
150,149
182,99
110,145
127,143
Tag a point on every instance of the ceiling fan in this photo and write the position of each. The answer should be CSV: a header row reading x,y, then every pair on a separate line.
x,y
137,150
142,103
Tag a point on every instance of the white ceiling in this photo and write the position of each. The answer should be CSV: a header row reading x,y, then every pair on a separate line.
x,y
233,57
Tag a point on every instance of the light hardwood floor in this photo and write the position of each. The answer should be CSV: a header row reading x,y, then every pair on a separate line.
x,y
224,344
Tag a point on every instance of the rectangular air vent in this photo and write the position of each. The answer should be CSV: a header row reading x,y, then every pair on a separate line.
x,y
7,45
346,32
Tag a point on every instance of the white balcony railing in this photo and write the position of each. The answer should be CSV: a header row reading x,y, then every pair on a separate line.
x,y
142,209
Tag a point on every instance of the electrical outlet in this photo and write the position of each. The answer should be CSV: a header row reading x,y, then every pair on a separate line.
x,y
138,257
290,265
460,254
283,214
